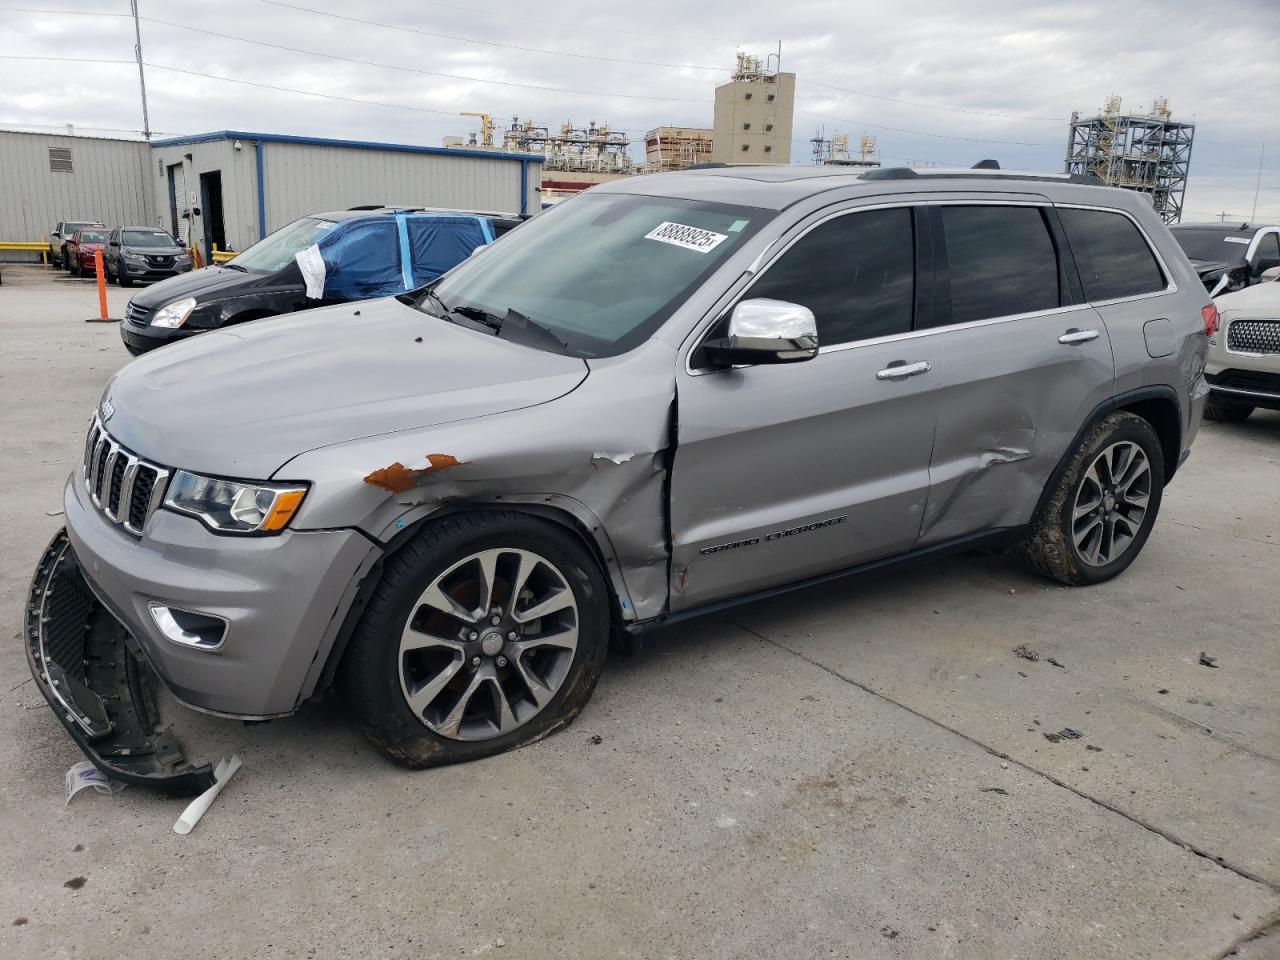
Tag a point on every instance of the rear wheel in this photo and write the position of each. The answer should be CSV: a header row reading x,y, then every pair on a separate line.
x,y
1101,510
124,279
1227,412
73,266
487,632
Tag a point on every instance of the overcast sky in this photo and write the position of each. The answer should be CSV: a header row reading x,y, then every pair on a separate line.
x,y
984,79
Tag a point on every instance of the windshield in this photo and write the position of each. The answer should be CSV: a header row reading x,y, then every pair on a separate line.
x,y
69,228
602,271
147,238
93,236
276,251
1213,245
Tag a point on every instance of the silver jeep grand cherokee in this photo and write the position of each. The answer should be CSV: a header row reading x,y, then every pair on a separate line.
x,y
666,395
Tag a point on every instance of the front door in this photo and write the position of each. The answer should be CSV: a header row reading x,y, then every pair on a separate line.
x,y
782,472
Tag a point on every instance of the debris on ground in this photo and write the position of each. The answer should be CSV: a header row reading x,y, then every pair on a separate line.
x,y
1208,661
1025,652
1021,674
1000,790
84,775
1066,733
223,772
1055,663
75,883
595,739
1090,746
53,513
889,932
1163,690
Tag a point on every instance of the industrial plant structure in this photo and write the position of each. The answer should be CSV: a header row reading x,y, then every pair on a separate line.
x,y
754,113
1150,153
835,151
675,148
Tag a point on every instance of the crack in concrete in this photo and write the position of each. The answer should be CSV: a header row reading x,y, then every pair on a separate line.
x,y
1224,533
1268,926
1132,818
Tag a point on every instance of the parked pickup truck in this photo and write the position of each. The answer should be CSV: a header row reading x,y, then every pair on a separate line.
x,y
663,396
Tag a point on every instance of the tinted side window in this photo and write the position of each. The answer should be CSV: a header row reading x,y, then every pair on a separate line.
x,y
1002,261
856,273
1113,258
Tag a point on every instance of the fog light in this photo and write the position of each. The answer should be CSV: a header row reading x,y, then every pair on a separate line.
x,y
189,629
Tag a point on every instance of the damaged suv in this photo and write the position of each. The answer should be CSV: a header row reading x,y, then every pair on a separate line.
x,y
665,395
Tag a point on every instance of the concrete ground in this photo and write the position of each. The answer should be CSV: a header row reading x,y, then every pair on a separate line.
x,y
854,770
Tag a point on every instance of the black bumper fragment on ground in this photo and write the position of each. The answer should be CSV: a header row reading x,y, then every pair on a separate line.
x,y
97,688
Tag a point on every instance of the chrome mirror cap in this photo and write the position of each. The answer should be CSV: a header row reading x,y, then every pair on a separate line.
x,y
766,331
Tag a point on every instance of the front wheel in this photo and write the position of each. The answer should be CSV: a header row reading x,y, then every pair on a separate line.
x,y
1101,509
487,632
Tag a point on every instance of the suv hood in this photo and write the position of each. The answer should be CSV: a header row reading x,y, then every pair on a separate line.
x,y
243,401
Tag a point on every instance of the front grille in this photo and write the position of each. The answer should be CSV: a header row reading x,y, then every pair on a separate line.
x,y
135,314
124,487
159,261
1253,336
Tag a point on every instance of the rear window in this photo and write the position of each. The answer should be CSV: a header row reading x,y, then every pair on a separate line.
x,y
1213,245
1111,254
1002,261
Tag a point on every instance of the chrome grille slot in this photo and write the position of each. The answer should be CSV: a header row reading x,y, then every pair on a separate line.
x,y
127,489
1253,336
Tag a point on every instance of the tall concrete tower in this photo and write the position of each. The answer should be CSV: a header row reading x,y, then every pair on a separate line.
x,y
753,115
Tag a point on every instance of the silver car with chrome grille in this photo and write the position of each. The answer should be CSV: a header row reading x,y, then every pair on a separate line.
x,y
667,395
1243,370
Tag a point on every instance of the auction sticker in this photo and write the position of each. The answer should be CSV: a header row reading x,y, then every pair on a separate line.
x,y
681,235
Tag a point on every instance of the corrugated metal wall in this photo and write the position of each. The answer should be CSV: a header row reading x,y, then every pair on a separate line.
x,y
107,182
307,178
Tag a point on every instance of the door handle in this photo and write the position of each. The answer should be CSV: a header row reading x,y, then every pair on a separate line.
x,y
900,370
1075,335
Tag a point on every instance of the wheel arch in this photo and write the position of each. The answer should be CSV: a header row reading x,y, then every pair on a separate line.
x,y
412,523
1158,405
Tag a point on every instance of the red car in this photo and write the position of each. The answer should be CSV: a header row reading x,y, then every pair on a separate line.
x,y
80,249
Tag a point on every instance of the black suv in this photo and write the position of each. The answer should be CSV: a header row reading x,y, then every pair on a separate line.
x,y
144,253
1227,257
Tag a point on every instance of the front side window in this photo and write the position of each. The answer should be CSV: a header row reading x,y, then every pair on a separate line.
x,y
1001,259
855,272
1111,254
1268,253
275,252
602,271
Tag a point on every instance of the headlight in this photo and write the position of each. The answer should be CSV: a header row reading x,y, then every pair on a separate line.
x,y
174,314
135,257
230,506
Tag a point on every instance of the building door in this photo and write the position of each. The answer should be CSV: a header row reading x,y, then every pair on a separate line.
x,y
177,199
211,213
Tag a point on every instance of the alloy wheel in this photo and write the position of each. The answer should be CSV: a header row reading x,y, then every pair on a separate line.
x,y
488,644
1111,503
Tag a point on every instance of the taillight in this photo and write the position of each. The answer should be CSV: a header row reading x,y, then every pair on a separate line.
x,y
1210,316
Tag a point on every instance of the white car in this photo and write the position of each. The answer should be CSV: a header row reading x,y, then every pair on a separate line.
x,y
1244,355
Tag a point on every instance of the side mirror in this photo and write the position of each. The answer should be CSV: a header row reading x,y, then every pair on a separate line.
x,y
182,243
766,331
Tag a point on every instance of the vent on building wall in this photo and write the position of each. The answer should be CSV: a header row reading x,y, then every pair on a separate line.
x,y
771,98
60,159
768,127
746,147
746,126
768,149
746,96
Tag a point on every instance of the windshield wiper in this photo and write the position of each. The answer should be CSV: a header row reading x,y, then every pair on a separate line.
x,y
233,266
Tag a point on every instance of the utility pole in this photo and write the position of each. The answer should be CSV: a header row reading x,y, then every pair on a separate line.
x,y
1262,153
1222,217
142,77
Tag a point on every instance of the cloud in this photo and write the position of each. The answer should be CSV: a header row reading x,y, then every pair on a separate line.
x,y
1218,64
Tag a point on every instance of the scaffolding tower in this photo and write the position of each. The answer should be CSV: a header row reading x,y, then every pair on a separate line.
x,y
1150,153
836,152
595,148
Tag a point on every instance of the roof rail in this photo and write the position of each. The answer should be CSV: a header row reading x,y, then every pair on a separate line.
x,y
368,206
980,171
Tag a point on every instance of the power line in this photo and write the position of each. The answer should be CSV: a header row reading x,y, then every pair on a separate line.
x,y
487,43
914,103
922,133
426,73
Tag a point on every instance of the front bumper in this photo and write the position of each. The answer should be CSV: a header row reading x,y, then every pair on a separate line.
x,y
101,693
283,599
140,339
139,271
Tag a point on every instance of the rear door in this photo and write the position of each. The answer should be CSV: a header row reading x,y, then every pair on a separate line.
x,y
1027,360
787,471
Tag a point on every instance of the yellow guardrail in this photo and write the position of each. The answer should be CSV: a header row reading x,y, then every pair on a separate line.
x,y
222,256
40,247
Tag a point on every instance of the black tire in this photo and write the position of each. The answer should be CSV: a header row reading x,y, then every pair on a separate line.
x,y
370,671
1227,412
73,267
124,280
106,272
1049,547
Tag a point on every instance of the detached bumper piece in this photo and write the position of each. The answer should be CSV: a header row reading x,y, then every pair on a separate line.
x,y
104,695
